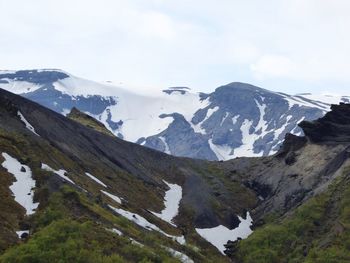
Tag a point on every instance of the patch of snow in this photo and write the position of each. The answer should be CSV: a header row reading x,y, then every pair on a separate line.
x,y
113,197
222,152
27,124
167,150
65,112
198,127
20,233
235,119
246,149
137,219
142,222
224,118
181,256
220,235
95,179
116,231
171,202
60,172
23,187
262,124
137,243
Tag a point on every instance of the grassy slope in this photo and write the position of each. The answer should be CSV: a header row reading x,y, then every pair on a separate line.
x,y
318,231
88,121
75,222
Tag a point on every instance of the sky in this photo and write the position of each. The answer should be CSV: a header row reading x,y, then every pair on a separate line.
x,y
292,46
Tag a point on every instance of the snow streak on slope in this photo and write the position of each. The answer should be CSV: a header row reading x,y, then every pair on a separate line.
x,y
181,256
142,222
23,187
218,236
246,149
113,197
171,202
61,172
222,152
27,124
163,139
95,179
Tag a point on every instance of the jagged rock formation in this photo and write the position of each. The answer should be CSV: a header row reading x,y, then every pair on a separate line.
x,y
334,127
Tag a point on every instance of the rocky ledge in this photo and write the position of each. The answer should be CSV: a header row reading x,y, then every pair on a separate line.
x,y
333,127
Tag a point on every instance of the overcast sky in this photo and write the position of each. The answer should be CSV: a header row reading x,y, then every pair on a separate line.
x,y
285,45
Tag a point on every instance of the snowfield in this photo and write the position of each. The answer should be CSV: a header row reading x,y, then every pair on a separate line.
x,y
218,236
23,187
135,117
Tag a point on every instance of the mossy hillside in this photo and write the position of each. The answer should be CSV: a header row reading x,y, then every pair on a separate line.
x,y
317,231
92,220
120,183
76,205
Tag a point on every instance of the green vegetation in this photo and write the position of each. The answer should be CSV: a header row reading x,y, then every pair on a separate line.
x,y
318,231
88,121
65,232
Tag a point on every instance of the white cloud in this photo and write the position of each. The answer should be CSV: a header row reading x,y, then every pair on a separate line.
x,y
202,44
273,66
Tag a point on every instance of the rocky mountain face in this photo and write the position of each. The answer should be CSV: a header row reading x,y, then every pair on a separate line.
x,y
67,185
304,197
235,120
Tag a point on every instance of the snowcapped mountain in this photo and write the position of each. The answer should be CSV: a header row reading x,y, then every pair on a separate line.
x,y
235,120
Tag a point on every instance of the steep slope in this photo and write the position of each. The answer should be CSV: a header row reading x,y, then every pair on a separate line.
x,y
317,231
235,120
109,198
302,215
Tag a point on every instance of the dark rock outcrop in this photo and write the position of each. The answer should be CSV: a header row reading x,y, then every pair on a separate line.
x,y
333,127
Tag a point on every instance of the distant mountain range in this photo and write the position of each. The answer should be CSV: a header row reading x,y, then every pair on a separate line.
x,y
235,120
73,192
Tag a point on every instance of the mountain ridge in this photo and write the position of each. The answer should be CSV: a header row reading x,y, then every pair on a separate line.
x,y
235,120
